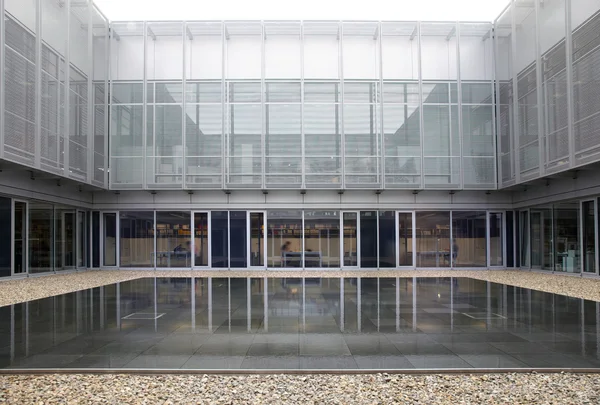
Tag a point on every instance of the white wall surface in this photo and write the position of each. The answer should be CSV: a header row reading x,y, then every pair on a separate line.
x,y
283,57
319,199
127,58
552,23
54,26
19,184
204,57
504,58
78,44
23,10
400,57
525,32
321,57
100,57
438,58
361,57
476,58
244,56
164,58
581,10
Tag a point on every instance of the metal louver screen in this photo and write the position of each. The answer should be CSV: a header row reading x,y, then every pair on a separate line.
x,y
20,84
586,102
587,36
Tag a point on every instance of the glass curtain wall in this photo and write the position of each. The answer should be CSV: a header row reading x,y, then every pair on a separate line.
x,y
405,239
387,239
136,243
283,147
469,242
173,239
433,239
402,138
20,235
589,236
285,245
541,238
5,243
127,115
201,251
322,238
219,237
350,236
566,237
368,239
238,239
477,101
204,164
164,105
109,227
496,236
64,238
401,112
551,237
41,237
441,143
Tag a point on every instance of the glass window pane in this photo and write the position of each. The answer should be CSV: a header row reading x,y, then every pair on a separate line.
x,y
321,239
405,238
201,239
219,234
368,239
20,243
127,93
110,239
136,244
496,239
350,239
173,239
387,239
209,92
238,236
257,239
469,244
41,227
5,243
566,230
589,237
433,239
96,239
284,238
283,92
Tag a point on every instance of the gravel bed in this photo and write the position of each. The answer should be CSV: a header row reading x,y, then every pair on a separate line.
x,y
563,388
32,288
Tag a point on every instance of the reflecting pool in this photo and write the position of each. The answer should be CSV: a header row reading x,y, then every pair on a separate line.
x,y
302,323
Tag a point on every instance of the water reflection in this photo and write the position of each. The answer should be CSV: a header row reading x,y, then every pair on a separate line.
x,y
291,323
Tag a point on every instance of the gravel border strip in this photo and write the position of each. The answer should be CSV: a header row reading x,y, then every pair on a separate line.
x,y
508,388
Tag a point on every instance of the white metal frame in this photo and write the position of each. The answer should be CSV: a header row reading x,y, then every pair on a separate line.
x,y
342,237
489,238
249,239
79,244
193,244
414,240
582,253
25,271
103,239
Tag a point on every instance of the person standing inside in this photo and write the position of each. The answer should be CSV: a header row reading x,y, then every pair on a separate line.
x,y
286,247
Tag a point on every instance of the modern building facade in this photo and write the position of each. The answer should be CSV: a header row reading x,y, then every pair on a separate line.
x,y
299,144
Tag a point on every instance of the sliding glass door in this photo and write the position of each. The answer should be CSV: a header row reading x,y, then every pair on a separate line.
x,y
350,236
406,239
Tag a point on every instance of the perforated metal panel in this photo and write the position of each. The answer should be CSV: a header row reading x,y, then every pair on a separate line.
x,y
586,104
19,93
